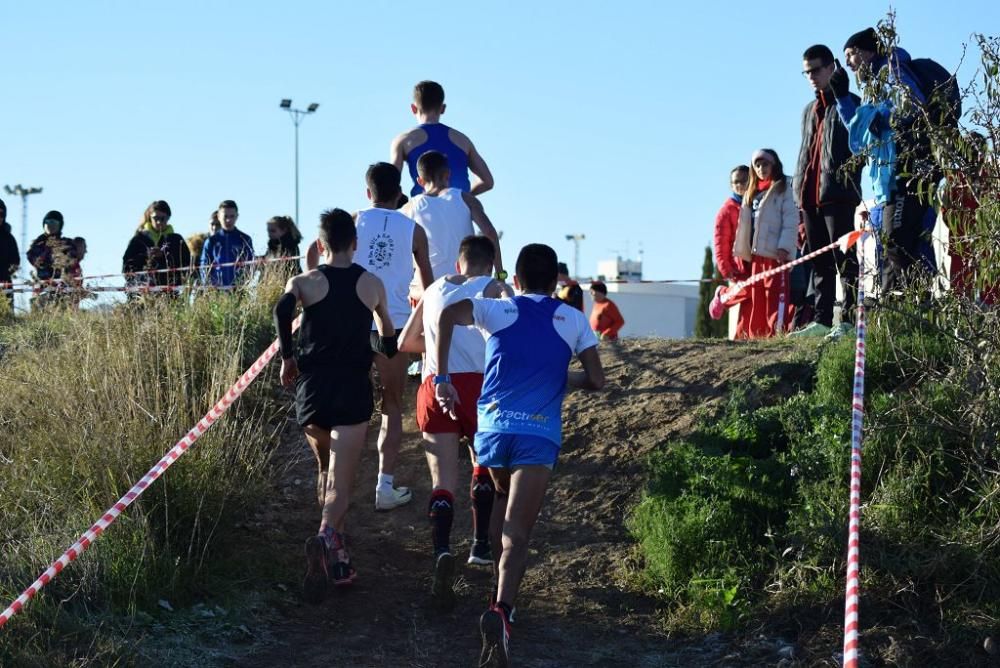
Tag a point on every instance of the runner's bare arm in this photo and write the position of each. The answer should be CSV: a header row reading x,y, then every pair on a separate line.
x,y
592,376
374,297
484,178
485,226
312,256
284,313
459,313
411,340
397,151
422,256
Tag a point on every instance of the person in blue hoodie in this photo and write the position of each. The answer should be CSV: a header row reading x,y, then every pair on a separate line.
x,y
882,127
225,246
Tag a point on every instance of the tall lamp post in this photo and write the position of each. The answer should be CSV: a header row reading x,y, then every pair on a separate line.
x,y
23,193
576,239
297,116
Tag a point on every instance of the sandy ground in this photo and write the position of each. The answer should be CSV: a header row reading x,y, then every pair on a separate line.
x,y
575,607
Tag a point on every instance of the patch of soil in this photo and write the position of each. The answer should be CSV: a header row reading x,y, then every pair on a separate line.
x,y
574,607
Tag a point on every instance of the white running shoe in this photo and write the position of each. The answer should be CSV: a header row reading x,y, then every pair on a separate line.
x,y
810,330
843,329
387,498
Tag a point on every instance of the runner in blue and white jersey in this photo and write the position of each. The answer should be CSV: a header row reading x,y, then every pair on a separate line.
x,y
530,341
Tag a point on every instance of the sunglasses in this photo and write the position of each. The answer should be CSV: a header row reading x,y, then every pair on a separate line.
x,y
161,219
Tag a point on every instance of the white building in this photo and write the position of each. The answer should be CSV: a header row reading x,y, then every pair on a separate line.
x,y
665,310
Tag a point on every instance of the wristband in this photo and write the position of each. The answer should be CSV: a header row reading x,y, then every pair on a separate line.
x,y
442,379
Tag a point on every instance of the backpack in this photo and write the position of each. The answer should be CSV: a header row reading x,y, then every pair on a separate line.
x,y
940,88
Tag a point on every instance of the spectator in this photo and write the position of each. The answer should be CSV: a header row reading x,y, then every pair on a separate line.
x,y
731,267
433,135
283,239
568,291
213,223
765,237
196,242
10,256
225,247
51,255
156,247
605,318
959,204
879,129
827,193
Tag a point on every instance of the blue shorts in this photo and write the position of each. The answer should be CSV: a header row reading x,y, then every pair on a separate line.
x,y
505,451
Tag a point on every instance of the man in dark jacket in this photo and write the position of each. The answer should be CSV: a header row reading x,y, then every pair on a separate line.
x,y
10,256
226,246
828,194
52,255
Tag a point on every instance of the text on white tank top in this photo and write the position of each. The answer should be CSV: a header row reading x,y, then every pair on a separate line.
x,y
385,248
447,220
468,347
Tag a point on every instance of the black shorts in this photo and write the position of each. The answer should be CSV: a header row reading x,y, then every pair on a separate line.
x,y
376,341
329,398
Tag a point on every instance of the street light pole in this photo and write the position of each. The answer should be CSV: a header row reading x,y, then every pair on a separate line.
x,y
23,193
297,115
576,239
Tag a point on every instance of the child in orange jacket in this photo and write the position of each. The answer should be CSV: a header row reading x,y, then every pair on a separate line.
x,y
605,318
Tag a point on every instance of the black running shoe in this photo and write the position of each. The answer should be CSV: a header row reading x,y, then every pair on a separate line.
x,y
495,631
317,579
444,577
480,554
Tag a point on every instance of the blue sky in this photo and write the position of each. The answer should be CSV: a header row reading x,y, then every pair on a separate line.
x,y
616,120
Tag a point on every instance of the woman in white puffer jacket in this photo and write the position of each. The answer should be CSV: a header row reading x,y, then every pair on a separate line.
x,y
768,227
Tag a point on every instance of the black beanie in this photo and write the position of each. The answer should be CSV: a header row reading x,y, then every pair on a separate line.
x,y
866,40
53,215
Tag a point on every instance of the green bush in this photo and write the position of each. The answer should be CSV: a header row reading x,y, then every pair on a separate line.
x,y
757,496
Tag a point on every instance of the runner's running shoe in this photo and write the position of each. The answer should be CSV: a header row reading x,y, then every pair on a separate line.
x,y
480,554
317,579
392,497
341,572
813,329
444,578
495,631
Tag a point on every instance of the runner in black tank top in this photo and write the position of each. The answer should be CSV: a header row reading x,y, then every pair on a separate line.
x,y
333,394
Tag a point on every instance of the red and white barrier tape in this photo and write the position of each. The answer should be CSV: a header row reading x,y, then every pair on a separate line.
x,y
853,530
149,272
94,532
844,243
67,289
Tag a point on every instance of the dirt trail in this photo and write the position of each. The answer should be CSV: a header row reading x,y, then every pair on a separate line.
x,y
573,609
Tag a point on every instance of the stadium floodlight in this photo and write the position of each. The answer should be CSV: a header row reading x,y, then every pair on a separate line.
x,y
297,115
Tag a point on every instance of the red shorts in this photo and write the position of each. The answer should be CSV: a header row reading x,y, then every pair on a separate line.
x,y
431,419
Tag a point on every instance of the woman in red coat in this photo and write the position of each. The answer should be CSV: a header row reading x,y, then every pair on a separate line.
x,y
731,267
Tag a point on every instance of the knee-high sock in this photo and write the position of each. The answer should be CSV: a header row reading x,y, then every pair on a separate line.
x,y
441,511
481,491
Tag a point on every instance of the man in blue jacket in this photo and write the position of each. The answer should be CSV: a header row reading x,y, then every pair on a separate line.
x,y
883,128
226,246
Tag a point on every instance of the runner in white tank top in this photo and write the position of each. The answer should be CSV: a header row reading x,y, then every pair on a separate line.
x,y
442,432
389,244
447,215
385,248
447,220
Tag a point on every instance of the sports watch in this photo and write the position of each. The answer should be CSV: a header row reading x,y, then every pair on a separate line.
x,y
442,379
501,275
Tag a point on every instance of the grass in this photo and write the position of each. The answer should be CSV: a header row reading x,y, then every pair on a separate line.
x,y
745,519
91,400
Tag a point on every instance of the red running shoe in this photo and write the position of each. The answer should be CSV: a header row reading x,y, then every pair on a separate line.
x,y
495,630
317,579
